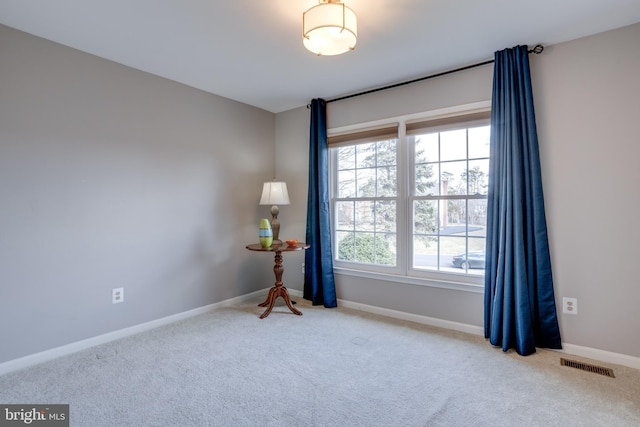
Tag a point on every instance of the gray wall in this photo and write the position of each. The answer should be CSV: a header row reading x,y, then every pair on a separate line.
x,y
292,165
586,94
111,177
588,107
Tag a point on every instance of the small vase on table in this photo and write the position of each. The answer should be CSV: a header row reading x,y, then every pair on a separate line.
x,y
265,233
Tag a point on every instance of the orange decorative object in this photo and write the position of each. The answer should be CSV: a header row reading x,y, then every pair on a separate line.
x,y
292,242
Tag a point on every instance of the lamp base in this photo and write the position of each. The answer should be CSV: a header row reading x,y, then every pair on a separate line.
x,y
275,225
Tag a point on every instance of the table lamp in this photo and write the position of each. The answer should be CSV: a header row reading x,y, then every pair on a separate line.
x,y
275,193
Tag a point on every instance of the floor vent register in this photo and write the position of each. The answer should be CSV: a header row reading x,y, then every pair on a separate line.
x,y
587,367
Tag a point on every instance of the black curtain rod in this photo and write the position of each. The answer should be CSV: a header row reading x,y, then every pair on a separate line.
x,y
537,50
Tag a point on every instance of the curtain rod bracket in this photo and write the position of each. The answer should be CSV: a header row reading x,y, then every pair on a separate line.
x,y
537,49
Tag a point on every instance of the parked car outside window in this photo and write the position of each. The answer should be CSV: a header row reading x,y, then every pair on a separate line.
x,y
470,260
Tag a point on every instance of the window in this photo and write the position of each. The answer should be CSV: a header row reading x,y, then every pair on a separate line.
x,y
365,198
411,199
448,198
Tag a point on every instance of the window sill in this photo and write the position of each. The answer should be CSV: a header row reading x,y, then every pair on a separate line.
x,y
411,280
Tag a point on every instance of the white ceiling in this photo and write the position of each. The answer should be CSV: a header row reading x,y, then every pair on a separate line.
x,y
251,50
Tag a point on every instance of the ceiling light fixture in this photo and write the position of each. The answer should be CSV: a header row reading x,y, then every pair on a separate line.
x,y
329,28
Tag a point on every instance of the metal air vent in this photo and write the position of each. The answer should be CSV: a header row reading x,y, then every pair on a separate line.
x,y
587,367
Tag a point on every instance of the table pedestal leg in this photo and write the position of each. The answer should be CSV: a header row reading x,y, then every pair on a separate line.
x,y
278,290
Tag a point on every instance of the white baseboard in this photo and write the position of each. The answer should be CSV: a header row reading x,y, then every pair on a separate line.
x,y
44,356
601,355
395,314
54,353
576,350
417,318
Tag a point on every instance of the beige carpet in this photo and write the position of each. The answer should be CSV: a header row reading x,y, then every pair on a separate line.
x,y
329,367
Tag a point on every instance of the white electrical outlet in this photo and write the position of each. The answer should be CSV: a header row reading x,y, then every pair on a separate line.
x,y
117,295
303,268
570,305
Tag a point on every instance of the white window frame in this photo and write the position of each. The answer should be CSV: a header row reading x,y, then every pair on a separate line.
x,y
402,272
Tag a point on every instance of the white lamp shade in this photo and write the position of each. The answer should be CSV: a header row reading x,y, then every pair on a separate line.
x,y
329,29
274,193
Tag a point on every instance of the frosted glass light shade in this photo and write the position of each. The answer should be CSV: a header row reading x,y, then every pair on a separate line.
x,y
329,28
274,193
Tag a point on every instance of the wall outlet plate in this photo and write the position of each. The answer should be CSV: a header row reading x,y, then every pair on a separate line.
x,y
570,305
117,295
